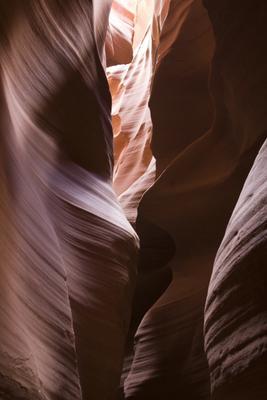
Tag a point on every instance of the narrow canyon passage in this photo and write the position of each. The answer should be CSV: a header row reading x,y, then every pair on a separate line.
x,y
133,200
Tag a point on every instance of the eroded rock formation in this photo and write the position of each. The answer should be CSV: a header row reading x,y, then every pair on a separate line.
x,y
84,314
67,251
235,316
204,148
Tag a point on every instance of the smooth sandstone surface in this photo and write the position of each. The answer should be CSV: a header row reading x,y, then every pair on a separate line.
x,y
67,251
203,155
235,336
144,114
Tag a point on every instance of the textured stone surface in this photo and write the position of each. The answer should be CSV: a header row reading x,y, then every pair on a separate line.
x,y
169,360
236,312
130,84
67,252
179,88
235,317
204,150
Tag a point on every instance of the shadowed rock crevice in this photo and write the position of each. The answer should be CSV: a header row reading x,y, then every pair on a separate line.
x,y
133,199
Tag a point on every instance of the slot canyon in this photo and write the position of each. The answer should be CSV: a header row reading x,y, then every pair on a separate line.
x,y
133,199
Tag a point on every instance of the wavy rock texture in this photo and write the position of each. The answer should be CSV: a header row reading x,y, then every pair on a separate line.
x,y
130,83
120,33
76,320
204,150
66,247
168,359
235,316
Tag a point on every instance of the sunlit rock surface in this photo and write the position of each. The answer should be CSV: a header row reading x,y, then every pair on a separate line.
x,y
144,113
130,86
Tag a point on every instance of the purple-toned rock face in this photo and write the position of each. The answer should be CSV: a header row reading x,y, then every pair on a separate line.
x,y
67,251
133,199
236,313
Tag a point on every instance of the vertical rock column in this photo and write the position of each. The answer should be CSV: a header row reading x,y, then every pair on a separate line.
x,y
176,252
68,265
130,85
235,316
209,120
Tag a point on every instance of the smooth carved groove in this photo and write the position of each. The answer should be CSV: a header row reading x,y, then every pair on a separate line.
x,y
68,254
133,199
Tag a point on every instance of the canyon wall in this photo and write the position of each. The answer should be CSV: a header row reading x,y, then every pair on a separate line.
x,y
209,114
67,251
133,199
235,315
